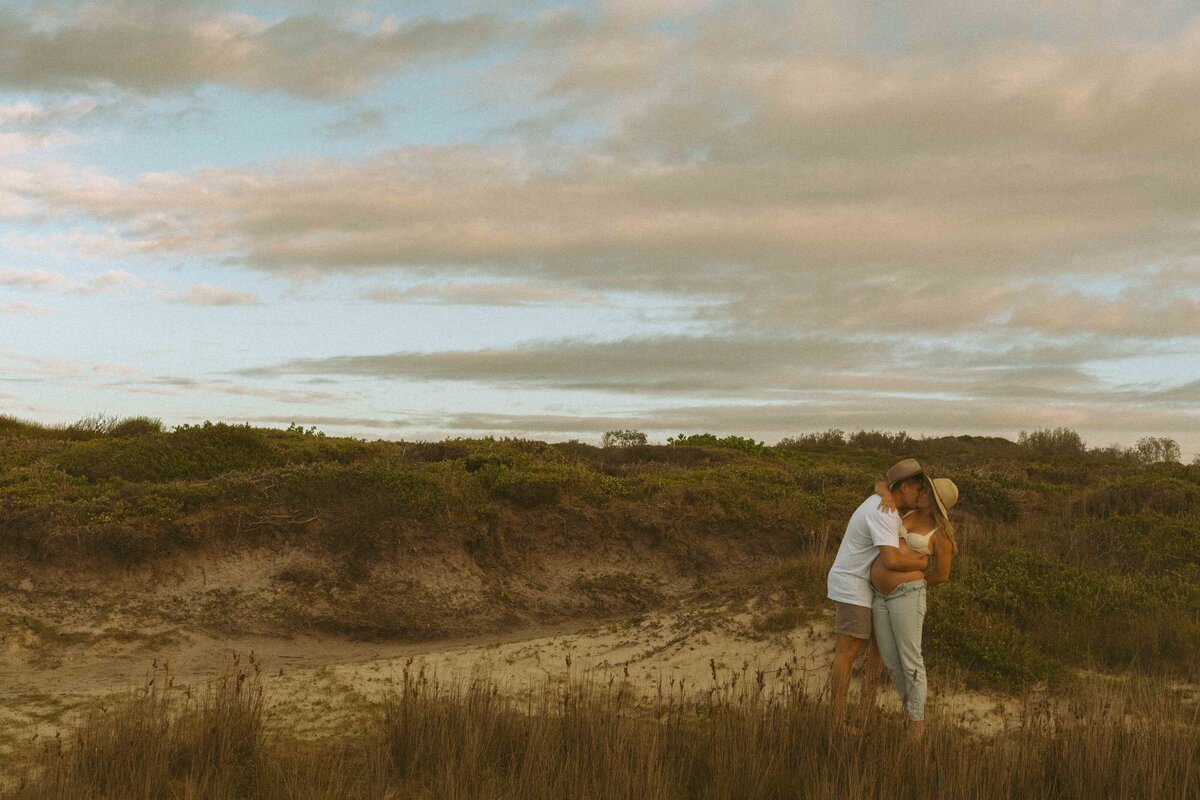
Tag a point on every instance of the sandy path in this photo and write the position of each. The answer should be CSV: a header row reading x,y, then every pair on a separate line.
x,y
321,686
675,651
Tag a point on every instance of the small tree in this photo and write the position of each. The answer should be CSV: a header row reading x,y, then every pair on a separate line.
x,y
1052,441
829,438
712,440
1156,449
625,438
1114,452
137,426
882,440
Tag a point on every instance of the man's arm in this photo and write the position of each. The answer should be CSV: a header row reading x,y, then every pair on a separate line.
x,y
885,529
907,561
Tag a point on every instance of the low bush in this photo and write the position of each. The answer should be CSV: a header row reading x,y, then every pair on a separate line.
x,y
711,440
526,485
1112,531
986,498
1024,616
1149,542
1144,490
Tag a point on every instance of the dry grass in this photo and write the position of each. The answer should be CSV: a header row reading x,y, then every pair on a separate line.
x,y
749,735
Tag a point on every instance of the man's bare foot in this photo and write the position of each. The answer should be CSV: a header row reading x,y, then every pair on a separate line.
x,y
916,730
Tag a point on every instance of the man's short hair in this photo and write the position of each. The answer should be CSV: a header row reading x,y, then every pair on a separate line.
x,y
918,478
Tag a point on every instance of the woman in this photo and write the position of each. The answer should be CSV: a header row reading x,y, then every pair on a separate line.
x,y
898,613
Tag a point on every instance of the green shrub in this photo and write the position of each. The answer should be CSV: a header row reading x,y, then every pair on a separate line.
x,y
1147,542
525,485
195,452
1144,491
1070,472
986,498
11,426
710,440
1017,617
623,438
136,426
1072,560
988,646
832,438
1050,441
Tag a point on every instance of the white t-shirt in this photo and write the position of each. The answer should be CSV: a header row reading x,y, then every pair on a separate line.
x,y
870,526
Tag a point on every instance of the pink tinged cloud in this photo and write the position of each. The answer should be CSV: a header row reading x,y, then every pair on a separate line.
x,y
33,279
207,295
158,48
484,294
19,308
110,280
1132,314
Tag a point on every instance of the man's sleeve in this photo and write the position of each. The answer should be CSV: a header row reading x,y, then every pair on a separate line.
x,y
884,527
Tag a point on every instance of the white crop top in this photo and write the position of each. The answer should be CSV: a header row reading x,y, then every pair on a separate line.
x,y
919,542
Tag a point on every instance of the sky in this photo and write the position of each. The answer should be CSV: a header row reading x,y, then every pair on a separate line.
x,y
423,220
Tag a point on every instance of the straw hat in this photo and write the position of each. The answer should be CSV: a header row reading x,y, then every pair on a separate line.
x,y
945,492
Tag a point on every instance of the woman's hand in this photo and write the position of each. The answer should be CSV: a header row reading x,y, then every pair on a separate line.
x,y
887,502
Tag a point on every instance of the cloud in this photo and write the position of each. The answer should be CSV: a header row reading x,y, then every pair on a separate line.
x,y
27,114
641,11
359,123
178,386
33,279
108,281
878,219
612,59
41,280
208,295
771,388
1187,393
778,237
484,294
45,367
20,308
370,423
751,368
774,421
158,48
639,365
1134,313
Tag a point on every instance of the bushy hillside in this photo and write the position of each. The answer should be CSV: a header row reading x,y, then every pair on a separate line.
x,y
1069,558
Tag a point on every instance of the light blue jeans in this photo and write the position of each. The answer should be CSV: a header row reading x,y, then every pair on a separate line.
x,y
897,621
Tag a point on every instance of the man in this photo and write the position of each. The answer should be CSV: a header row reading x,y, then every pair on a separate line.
x,y
872,532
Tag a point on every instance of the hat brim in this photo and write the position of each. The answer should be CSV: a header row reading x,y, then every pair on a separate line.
x,y
933,488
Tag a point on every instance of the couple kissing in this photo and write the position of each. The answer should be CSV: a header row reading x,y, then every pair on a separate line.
x,y
898,543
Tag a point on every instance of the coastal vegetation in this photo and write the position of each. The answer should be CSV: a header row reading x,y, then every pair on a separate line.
x,y
1074,561
1055,538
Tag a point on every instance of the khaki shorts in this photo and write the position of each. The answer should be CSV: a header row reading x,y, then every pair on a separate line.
x,y
852,620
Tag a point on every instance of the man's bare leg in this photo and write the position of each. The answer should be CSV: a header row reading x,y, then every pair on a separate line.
x,y
872,668
846,649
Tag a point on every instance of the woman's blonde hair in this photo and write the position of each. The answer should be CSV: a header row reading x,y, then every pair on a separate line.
x,y
945,527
